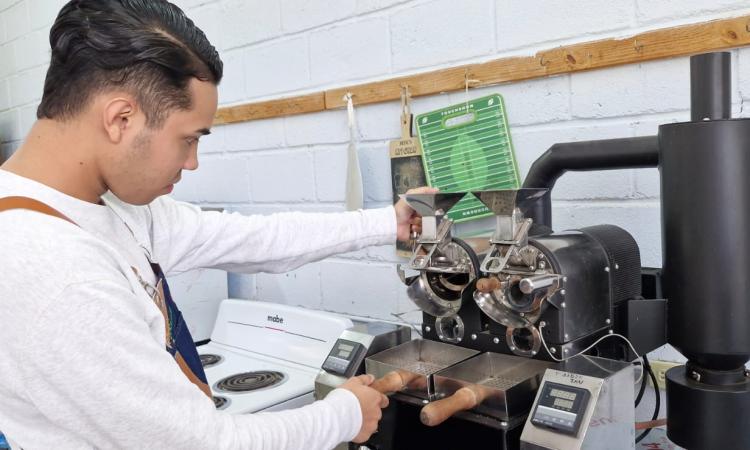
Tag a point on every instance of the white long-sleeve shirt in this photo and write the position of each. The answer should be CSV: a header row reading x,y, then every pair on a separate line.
x,y
82,358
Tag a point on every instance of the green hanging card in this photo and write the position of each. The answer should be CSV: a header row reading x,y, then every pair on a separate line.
x,y
467,147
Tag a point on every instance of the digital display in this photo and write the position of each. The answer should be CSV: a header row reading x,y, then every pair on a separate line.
x,y
563,403
561,408
345,350
559,393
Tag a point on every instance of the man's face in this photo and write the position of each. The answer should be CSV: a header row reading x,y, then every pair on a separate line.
x,y
153,159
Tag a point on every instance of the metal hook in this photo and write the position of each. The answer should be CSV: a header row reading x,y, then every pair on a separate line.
x,y
405,99
467,81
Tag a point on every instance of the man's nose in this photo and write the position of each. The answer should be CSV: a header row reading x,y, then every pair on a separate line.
x,y
192,162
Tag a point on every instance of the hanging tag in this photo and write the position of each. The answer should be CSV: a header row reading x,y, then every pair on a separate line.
x,y
407,170
354,196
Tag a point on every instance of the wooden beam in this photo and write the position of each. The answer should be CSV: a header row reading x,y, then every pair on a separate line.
x,y
271,108
651,45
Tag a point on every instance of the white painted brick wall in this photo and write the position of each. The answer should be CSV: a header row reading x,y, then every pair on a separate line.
x,y
16,21
632,89
306,14
650,11
288,47
438,32
282,177
266,73
362,288
256,135
242,22
519,24
348,52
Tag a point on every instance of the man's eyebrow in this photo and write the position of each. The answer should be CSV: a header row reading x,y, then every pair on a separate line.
x,y
204,131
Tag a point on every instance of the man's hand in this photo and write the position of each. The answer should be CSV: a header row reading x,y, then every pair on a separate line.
x,y
408,220
370,402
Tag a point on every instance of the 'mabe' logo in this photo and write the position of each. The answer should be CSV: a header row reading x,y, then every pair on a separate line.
x,y
276,319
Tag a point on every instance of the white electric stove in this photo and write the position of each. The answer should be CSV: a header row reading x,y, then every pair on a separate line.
x,y
265,356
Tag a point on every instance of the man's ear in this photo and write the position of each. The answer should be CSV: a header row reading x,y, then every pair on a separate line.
x,y
118,117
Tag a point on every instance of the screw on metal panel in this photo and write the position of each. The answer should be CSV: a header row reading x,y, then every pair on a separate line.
x,y
610,331
513,349
424,402
565,350
608,321
473,337
503,424
553,350
542,324
566,336
695,375
606,269
562,292
565,279
562,304
522,314
427,329
533,353
496,341
617,266
747,373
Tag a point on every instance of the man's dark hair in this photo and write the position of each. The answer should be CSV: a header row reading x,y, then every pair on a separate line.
x,y
147,47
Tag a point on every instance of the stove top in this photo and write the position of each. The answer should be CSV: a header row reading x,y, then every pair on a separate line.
x,y
209,360
250,381
276,382
265,357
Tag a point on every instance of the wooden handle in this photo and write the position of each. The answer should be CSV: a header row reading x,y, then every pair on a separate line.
x,y
438,411
487,285
391,382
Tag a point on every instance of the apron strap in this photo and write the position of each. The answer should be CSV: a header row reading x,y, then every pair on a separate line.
x,y
31,204
10,203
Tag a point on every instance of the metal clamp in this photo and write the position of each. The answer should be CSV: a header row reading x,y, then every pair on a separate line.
x,y
496,264
422,257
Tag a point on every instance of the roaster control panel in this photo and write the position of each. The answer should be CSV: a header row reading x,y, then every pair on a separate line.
x,y
345,358
561,407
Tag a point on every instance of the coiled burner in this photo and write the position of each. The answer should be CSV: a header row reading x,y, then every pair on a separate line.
x,y
250,381
220,402
209,360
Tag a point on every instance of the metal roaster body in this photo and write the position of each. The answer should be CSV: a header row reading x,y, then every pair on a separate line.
x,y
519,290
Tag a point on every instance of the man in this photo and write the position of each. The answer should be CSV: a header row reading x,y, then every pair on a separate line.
x,y
94,353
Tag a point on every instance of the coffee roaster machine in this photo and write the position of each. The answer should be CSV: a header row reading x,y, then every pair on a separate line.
x,y
529,337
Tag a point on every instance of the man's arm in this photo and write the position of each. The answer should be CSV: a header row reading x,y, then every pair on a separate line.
x,y
186,238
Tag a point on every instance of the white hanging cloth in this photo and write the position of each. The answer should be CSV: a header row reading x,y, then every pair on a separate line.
x,y
354,196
